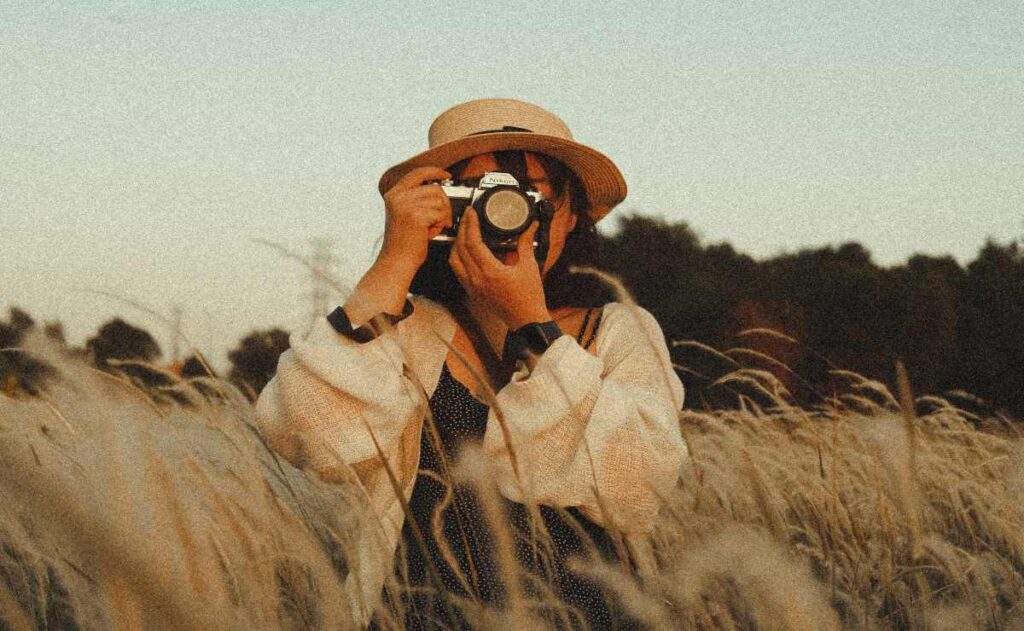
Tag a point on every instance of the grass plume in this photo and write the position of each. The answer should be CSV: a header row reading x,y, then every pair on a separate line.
x,y
870,511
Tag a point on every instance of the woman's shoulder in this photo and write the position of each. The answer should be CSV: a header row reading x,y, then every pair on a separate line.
x,y
628,314
624,324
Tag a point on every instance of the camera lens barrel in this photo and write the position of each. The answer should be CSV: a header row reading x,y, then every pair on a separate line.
x,y
505,210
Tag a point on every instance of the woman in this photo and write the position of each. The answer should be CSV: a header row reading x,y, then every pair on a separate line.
x,y
591,410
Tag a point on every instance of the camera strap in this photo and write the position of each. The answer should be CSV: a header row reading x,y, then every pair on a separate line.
x,y
543,235
498,372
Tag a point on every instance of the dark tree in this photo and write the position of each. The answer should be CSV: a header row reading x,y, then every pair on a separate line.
x,y
254,360
192,367
929,306
19,320
692,291
955,329
119,340
652,259
55,331
848,307
20,372
990,329
696,293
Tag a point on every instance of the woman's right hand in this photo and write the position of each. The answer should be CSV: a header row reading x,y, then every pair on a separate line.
x,y
415,213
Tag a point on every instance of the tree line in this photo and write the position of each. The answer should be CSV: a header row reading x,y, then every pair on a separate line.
x,y
128,350
804,317
958,330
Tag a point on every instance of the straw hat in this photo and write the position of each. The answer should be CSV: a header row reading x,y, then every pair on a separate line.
x,y
487,125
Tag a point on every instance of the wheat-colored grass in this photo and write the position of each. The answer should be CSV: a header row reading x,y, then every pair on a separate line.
x,y
123,509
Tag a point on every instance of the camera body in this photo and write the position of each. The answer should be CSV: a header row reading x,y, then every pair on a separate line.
x,y
504,208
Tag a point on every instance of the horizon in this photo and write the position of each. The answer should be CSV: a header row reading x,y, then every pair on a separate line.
x,y
221,363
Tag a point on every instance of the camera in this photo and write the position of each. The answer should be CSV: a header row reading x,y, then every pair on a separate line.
x,y
505,209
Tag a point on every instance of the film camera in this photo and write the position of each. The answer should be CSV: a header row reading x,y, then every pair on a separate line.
x,y
505,210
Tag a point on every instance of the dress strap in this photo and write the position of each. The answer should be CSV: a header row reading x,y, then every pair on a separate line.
x,y
583,327
593,331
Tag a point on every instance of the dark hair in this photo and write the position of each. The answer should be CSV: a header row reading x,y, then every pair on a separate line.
x,y
562,288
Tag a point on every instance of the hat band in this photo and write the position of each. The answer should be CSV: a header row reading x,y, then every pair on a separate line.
x,y
498,131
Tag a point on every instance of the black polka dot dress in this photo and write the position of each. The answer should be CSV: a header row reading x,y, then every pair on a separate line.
x,y
461,418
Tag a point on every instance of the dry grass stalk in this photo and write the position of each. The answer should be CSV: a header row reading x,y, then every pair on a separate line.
x,y
474,469
11,612
831,518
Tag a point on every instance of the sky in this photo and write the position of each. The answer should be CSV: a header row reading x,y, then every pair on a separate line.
x,y
149,151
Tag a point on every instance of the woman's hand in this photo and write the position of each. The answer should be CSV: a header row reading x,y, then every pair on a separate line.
x,y
514,290
415,213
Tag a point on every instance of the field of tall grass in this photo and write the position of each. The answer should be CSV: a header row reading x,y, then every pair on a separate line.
x,y
125,508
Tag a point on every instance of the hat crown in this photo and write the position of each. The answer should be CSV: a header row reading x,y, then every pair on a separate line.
x,y
494,115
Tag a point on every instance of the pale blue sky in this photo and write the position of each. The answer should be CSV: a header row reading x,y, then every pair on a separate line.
x,y
143,146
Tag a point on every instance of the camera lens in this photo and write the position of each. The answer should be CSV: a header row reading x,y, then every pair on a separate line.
x,y
507,211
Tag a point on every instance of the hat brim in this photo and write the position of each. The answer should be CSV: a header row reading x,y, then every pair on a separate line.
x,y
602,180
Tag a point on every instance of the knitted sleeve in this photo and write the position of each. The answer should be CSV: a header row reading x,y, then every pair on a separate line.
x,y
330,393
601,433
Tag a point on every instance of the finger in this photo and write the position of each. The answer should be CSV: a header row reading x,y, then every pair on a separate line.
x,y
462,235
431,197
435,228
475,246
418,176
525,243
440,212
460,249
471,275
455,262
446,207
426,192
416,203
431,220
427,210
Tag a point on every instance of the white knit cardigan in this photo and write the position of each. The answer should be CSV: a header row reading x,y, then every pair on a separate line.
x,y
621,406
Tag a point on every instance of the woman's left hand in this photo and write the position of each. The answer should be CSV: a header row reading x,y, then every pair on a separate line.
x,y
515,290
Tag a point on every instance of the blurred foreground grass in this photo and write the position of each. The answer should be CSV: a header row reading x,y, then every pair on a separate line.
x,y
128,509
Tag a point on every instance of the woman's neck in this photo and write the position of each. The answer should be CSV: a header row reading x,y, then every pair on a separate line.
x,y
490,323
